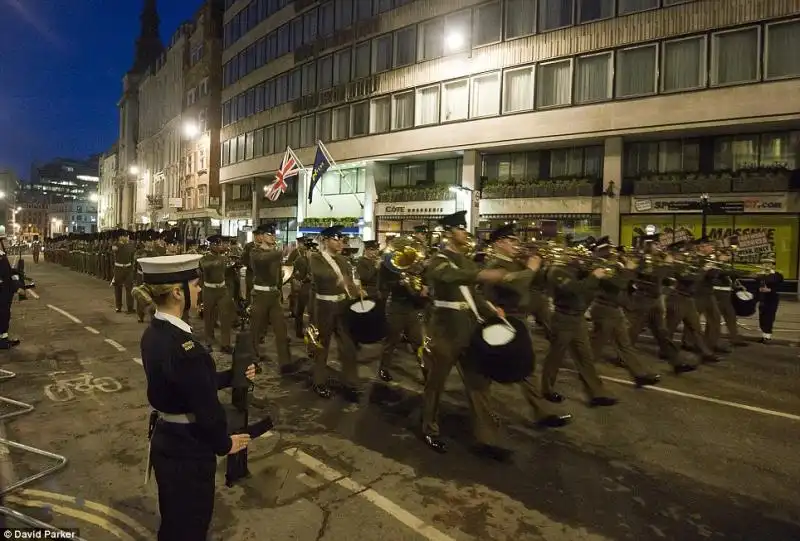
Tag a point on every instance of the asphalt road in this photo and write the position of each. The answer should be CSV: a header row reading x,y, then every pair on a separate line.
x,y
708,455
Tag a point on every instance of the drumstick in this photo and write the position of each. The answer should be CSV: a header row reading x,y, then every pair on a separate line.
x,y
503,319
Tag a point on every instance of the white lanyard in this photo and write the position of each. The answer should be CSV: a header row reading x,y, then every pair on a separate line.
x,y
335,266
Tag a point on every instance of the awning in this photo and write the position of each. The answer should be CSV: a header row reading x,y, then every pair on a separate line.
x,y
414,217
559,216
318,230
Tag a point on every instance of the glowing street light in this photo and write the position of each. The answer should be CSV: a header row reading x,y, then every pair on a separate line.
x,y
2,195
454,41
134,170
93,197
191,130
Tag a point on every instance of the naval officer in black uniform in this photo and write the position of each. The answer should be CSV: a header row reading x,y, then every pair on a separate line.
x,y
188,427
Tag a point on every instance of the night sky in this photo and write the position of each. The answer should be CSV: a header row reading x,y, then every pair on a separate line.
x,y
61,69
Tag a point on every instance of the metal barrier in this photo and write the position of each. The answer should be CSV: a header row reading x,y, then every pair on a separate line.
x,y
61,461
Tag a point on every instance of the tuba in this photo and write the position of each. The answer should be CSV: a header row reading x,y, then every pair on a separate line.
x,y
406,256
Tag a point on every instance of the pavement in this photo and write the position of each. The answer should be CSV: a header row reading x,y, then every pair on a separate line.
x,y
709,455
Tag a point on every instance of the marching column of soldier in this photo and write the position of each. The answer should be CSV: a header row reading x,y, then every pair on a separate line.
x,y
453,307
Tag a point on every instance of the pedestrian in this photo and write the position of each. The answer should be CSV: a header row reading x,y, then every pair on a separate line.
x,y
188,427
769,298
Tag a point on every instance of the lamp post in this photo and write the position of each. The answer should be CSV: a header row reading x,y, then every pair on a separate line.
x,y
704,207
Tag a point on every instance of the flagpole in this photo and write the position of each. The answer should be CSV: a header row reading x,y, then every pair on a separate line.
x,y
335,165
303,167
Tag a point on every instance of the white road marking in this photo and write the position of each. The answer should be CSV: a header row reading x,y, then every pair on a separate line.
x,y
92,330
115,344
329,474
65,314
33,294
138,361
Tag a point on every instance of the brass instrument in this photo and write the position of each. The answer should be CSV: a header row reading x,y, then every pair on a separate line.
x,y
311,339
405,256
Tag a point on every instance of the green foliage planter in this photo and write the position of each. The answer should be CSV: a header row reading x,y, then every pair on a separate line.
x,y
430,193
347,221
540,188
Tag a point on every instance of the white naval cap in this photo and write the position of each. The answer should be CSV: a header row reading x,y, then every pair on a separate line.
x,y
170,269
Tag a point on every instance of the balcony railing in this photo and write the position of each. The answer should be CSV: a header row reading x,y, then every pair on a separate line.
x,y
569,187
745,180
420,193
155,202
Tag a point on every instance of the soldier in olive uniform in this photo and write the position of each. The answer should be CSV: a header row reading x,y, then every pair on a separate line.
x,y
573,291
367,269
452,276
36,248
332,276
512,295
540,302
608,317
217,301
266,309
248,280
144,304
123,270
301,282
723,289
706,300
296,252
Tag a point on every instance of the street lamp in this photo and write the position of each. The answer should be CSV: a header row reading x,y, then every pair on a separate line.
x,y
93,197
704,207
190,129
454,41
2,195
133,170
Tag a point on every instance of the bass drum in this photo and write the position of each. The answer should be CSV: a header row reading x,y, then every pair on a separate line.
x,y
744,303
366,321
502,350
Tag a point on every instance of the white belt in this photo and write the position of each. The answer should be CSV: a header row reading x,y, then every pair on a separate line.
x,y
264,288
122,264
331,298
176,418
723,288
209,285
451,305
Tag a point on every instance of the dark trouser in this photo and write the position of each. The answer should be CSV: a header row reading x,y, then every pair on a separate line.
x,y
300,306
540,309
767,310
123,280
218,306
707,307
248,284
36,256
571,334
610,326
450,332
266,311
185,496
329,318
681,308
728,313
6,298
401,318
648,312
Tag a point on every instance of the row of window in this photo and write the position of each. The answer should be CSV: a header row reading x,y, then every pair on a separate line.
x,y
426,173
197,93
576,162
731,153
669,66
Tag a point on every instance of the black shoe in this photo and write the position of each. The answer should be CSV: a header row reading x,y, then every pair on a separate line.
x,y
351,394
554,421
647,379
435,443
686,347
765,340
7,343
141,320
385,375
602,401
322,391
492,452
683,368
556,398
118,310
711,359
226,349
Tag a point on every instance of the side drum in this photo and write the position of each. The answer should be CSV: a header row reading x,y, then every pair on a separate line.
x,y
366,321
744,303
502,350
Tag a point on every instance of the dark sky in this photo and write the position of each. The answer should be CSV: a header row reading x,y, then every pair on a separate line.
x,y
61,68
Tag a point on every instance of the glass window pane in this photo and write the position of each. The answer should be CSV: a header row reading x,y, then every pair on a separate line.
x,y
593,78
734,153
518,90
458,24
294,133
382,54
381,115
431,40
455,100
780,149
485,100
326,19
783,42
331,183
344,13
632,6
341,67
307,131
636,71
324,126
362,62
403,111
554,84
487,24
594,10
684,64
359,119
520,18
566,162
258,143
735,57
269,140
555,14
405,46
341,123
427,109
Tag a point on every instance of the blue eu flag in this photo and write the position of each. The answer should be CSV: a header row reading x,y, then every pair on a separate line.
x,y
321,166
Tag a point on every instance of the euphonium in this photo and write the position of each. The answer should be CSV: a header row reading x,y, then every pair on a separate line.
x,y
311,339
405,256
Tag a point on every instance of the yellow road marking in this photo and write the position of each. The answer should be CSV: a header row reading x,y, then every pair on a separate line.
x,y
94,506
100,522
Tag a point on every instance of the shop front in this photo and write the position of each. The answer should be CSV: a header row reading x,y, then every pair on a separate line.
x,y
285,220
544,217
396,219
765,225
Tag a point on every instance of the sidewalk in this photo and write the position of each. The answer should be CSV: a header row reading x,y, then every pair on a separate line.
x,y
787,325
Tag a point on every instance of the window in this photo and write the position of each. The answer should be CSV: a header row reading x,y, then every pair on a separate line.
x,y
281,89
684,65
403,111
518,90
362,61
636,71
554,14
259,98
240,148
226,153
297,33
553,84
458,24
382,53
309,78
566,162
405,46
310,26
307,131
427,109
783,42
485,95
325,74
382,6
258,143
269,140
294,84
431,40
733,153
248,155
294,133
359,119
515,166
363,9
455,100
344,13
593,78
380,115
341,67
520,18
780,149
632,6
324,126
735,57
331,183
326,19
487,24
447,171
280,137
594,10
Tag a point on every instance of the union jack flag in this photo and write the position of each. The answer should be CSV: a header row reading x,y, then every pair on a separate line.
x,y
288,168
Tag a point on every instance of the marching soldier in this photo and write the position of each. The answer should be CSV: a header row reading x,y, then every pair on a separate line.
x,y
296,252
266,309
723,289
367,269
540,302
452,276
217,301
332,276
608,317
768,298
512,295
706,301
123,270
248,280
144,305
301,283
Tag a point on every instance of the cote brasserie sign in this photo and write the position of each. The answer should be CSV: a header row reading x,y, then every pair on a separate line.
x,y
416,208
